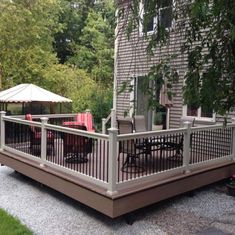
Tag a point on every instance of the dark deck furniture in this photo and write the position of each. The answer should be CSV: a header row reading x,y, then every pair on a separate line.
x,y
132,148
76,147
35,138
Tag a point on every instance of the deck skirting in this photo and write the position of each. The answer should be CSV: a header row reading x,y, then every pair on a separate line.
x,y
124,201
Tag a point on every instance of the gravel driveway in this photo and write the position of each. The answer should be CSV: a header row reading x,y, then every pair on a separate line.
x,y
47,212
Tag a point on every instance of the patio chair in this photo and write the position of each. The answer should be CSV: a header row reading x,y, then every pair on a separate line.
x,y
35,137
178,146
140,126
87,119
139,123
129,147
76,147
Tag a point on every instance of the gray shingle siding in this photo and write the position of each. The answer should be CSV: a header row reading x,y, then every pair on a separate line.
x,y
132,60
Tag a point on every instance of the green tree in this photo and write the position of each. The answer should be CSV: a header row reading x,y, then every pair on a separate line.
x,y
72,17
29,33
210,45
27,29
95,51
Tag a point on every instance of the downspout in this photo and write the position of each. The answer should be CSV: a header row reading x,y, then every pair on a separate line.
x,y
115,63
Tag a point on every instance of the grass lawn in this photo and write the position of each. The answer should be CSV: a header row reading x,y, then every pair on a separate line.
x,y
12,226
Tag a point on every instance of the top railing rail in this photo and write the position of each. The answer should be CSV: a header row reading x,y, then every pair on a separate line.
x,y
150,134
212,127
20,121
76,131
57,128
37,116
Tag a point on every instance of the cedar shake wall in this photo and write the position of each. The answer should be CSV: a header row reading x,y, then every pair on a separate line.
x,y
133,61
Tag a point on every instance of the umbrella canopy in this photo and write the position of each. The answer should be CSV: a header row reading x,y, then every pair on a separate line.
x,y
30,93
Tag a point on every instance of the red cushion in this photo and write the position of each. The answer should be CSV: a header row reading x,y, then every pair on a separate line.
x,y
50,135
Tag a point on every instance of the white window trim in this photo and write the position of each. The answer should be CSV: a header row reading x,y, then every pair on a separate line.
x,y
134,83
155,21
199,117
132,97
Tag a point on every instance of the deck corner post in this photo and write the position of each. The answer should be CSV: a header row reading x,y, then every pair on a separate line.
x,y
103,126
233,139
2,126
43,139
112,166
186,148
113,118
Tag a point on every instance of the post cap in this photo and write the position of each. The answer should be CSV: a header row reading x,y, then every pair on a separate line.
x,y
44,119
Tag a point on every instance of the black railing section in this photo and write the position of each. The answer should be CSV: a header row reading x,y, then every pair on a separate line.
x,y
146,156
23,138
85,155
210,144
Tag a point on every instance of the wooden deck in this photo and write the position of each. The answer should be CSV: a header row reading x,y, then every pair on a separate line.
x,y
123,201
207,155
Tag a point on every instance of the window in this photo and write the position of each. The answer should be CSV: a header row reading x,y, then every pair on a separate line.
x,y
155,119
138,99
166,13
150,18
199,113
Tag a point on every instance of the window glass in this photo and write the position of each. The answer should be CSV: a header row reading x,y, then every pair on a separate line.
x,y
199,112
165,3
206,113
141,98
192,111
166,16
149,16
148,23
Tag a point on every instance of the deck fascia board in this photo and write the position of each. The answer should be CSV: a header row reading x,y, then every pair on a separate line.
x,y
123,201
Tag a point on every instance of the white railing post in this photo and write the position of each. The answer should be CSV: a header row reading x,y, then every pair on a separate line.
x,y
2,126
113,132
186,148
112,167
113,118
233,139
103,126
43,139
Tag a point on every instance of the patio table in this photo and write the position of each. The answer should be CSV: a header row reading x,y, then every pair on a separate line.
x,y
161,144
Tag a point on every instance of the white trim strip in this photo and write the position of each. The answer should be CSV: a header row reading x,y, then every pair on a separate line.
x,y
211,162
76,131
150,134
149,178
20,121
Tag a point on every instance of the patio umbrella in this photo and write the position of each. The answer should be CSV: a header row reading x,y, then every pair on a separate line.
x,y
24,93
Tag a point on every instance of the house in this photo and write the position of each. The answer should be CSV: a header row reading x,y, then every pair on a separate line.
x,y
133,62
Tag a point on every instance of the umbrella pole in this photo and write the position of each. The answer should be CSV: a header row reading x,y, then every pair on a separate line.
x,y
23,110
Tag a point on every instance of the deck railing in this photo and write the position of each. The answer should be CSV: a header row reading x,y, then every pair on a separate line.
x,y
90,164
143,154
116,162
172,152
55,119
